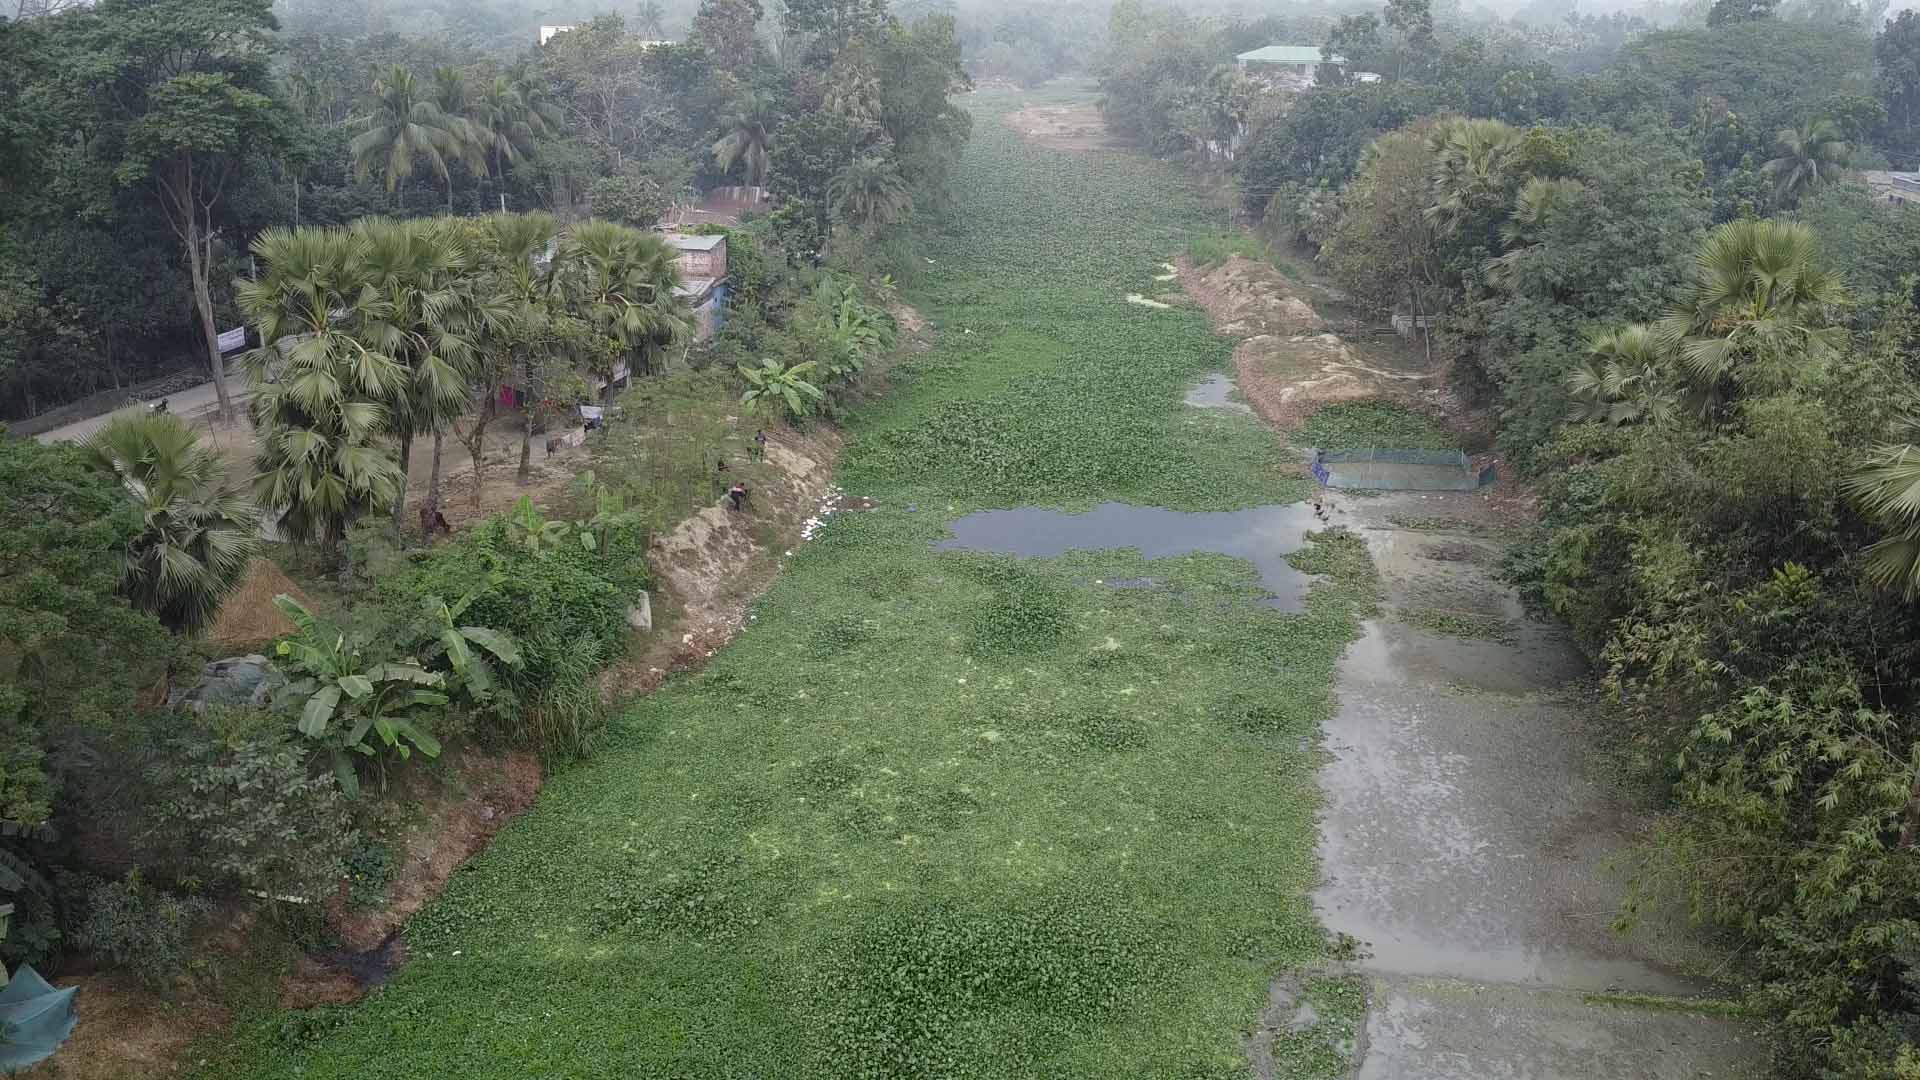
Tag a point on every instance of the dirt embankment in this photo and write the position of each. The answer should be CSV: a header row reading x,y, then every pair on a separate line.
x,y
711,566
1074,128
1287,361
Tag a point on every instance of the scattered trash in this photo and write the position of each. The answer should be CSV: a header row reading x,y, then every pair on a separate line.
x,y
1136,298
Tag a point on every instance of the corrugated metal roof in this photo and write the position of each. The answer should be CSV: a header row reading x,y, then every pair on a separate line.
x,y
1286,54
684,242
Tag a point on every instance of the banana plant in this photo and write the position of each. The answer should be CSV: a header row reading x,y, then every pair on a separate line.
x,y
609,511
469,652
342,695
532,529
773,386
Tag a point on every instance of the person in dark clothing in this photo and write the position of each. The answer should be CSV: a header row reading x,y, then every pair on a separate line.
x,y
758,448
738,493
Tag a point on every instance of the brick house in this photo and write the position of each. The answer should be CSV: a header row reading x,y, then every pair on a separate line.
x,y
702,264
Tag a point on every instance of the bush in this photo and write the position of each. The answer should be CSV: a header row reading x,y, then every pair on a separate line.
x,y
240,806
565,606
629,200
139,929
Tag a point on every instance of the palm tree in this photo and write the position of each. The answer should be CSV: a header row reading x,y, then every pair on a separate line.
x,y
320,391
747,142
503,123
1755,307
621,280
1536,206
1887,487
1473,166
467,142
527,333
650,20
869,194
544,115
418,306
200,532
404,126
1624,378
1810,155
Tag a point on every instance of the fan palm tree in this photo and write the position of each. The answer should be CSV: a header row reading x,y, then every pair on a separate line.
x,y
747,142
320,391
1473,168
528,335
1756,306
418,306
199,532
1887,487
621,280
404,127
1810,155
869,194
1624,378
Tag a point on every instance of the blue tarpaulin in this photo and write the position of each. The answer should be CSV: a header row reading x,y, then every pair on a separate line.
x,y
35,1019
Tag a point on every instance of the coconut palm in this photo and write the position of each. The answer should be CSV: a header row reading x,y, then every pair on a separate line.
x,y
1810,155
747,142
503,123
869,193
544,115
1473,168
621,280
320,391
199,531
404,127
1624,378
466,140
1756,305
650,20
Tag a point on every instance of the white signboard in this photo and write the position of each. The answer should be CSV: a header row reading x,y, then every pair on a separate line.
x,y
235,338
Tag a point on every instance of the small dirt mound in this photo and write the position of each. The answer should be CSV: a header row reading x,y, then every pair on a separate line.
x,y
1076,128
248,617
1288,362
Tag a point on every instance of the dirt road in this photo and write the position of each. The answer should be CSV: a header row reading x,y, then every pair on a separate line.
x,y
194,405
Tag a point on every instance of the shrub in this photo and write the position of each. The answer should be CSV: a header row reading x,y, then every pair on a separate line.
x,y
241,807
564,605
139,928
629,200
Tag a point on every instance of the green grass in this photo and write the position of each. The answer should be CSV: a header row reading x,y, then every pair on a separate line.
x,y
1360,425
935,814
1214,248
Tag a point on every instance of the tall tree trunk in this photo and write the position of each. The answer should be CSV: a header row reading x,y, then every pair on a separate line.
x,y
400,500
197,256
526,447
475,438
433,475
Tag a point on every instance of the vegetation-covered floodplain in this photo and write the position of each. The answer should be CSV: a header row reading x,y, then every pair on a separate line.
x,y
934,814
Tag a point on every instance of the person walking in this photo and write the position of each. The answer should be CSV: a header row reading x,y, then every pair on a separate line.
x,y
758,448
738,493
